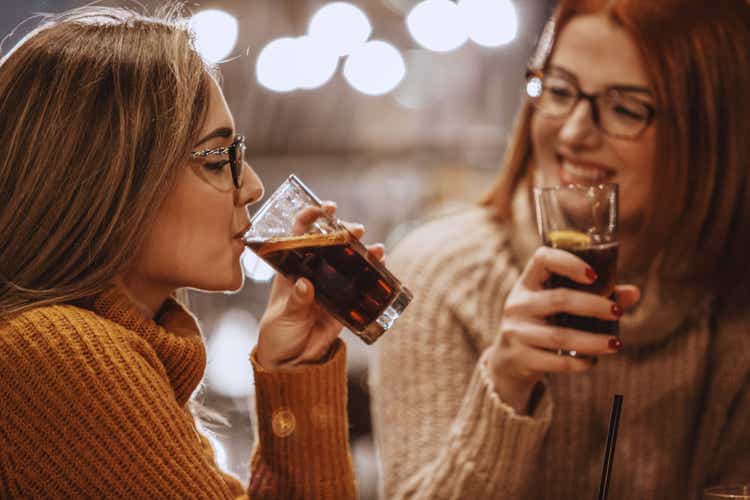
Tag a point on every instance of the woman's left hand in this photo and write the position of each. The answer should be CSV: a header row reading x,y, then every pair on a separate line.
x,y
294,328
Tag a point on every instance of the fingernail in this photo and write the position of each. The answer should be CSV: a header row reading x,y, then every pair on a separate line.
x,y
301,287
591,274
616,310
615,343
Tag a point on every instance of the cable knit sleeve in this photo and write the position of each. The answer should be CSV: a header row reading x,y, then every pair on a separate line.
x,y
441,429
88,411
733,463
303,434
725,439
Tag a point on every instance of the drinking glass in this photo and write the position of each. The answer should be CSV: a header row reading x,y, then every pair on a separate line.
x,y
582,220
737,492
349,282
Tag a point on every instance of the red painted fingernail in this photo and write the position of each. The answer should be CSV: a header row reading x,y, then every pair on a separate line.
x,y
615,343
616,310
591,274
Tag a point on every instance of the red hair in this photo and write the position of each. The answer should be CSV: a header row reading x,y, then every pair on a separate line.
x,y
697,57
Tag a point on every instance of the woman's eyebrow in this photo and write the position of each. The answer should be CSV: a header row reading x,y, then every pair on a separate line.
x,y
219,132
633,88
621,87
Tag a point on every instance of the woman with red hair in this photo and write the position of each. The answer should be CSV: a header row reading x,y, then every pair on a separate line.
x,y
651,96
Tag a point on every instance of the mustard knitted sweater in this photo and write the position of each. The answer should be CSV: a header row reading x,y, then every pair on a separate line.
x,y
93,405
444,433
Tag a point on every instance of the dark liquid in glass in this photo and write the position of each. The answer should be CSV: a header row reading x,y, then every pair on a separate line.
x,y
348,281
603,259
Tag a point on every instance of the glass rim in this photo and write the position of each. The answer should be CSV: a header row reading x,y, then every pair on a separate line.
x,y
578,187
292,179
726,491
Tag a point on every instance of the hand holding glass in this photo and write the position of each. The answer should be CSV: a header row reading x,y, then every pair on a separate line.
x,y
291,235
583,221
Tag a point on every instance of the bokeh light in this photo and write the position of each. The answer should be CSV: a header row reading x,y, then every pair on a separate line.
x,y
490,23
341,27
315,62
215,34
437,25
228,369
256,268
274,68
375,68
287,64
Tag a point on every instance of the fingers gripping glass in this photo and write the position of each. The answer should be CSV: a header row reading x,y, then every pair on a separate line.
x,y
293,235
234,156
616,111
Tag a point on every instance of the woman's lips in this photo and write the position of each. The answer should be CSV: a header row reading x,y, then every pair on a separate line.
x,y
573,172
240,234
238,245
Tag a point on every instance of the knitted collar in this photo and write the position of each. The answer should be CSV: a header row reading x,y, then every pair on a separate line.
x,y
174,335
662,311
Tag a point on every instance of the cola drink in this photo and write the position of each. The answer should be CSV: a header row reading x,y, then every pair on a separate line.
x,y
352,285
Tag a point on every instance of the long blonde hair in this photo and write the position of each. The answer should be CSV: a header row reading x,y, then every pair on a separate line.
x,y
697,55
100,107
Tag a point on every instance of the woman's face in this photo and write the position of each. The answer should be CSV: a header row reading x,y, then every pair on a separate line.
x,y
195,238
597,55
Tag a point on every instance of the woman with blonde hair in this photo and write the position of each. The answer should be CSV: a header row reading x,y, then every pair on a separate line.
x,y
122,180
471,398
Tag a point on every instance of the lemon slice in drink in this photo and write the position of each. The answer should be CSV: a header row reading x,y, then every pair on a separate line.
x,y
568,239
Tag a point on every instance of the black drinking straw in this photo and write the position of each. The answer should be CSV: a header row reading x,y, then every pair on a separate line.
x,y
609,452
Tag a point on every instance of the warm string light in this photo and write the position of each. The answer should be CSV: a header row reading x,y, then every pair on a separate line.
x,y
342,30
215,34
337,30
443,25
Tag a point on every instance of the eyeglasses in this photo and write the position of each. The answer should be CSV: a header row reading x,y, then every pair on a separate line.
x,y
216,173
616,111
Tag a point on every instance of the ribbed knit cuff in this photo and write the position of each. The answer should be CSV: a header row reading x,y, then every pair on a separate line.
x,y
303,426
496,447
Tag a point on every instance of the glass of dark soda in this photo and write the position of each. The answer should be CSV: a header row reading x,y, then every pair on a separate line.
x,y
582,220
349,282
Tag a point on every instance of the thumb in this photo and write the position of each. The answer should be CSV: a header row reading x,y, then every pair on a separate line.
x,y
300,298
627,295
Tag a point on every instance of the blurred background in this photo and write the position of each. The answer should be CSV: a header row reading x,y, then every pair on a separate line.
x,y
398,110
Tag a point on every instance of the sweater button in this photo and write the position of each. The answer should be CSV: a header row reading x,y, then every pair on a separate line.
x,y
283,422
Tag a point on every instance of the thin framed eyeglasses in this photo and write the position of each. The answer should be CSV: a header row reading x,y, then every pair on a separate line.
x,y
617,111
236,158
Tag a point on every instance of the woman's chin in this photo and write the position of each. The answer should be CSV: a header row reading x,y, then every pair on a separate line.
x,y
238,279
232,283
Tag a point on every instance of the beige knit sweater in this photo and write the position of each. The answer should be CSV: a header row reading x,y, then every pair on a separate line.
x,y
444,433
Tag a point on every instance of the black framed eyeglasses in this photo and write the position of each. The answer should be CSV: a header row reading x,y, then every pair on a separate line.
x,y
617,111
235,158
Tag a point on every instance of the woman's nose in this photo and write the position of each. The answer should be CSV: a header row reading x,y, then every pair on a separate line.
x,y
579,127
252,187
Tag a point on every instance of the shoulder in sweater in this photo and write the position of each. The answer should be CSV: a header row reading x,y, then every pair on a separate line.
x,y
51,336
461,235
461,264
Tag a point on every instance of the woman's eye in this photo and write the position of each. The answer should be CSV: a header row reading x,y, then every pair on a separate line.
x,y
215,166
560,91
630,112
559,94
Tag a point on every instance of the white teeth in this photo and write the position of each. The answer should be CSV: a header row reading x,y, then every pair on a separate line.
x,y
585,173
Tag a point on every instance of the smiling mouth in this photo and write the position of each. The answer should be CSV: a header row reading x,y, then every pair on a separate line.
x,y
578,173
